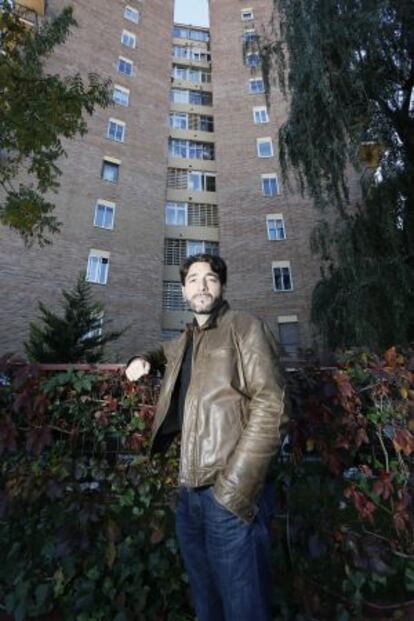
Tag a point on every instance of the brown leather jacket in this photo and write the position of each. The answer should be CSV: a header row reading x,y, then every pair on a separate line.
x,y
233,407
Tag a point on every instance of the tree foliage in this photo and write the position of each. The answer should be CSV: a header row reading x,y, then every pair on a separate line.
x,y
348,70
37,111
77,336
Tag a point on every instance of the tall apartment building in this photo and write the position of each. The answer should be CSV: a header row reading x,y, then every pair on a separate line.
x,y
183,162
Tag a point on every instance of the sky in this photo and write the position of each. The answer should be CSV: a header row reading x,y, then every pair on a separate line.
x,y
194,12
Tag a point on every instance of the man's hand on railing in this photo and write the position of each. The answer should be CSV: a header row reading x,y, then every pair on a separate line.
x,y
137,368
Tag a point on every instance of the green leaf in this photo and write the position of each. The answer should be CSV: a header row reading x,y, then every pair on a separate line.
x,y
41,593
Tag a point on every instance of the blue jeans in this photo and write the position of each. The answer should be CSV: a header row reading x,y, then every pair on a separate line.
x,y
228,562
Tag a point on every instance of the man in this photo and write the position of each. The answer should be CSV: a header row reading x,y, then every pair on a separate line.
x,y
222,390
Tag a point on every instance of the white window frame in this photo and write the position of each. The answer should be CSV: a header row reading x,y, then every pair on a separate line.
x,y
113,162
98,267
260,115
281,265
290,320
120,130
202,176
269,176
131,14
261,142
246,15
176,208
125,92
256,92
179,116
275,218
205,246
126,61
182,94
107,205
128,39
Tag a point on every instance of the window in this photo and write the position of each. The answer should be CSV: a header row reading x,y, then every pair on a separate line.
x,y
201,98
179,120
199,35
104,214
181,33
264,147
253,59
97,330
198,98
125,66
282,278
116,130
270,185
289,335
191,75
178,95
176,214
250,36
256,85
201,181
192,53
194,181
188,33
191,150
202,247
120,95
172,297
275,227
247,14
201,214
128,39
260,114
110,170
98,267
179,51
205,123
131,14
176,250
201,55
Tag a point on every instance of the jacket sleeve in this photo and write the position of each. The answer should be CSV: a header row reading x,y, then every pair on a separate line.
x,y
156,357
242,480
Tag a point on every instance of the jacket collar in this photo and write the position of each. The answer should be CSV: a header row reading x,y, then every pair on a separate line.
x,y
213,319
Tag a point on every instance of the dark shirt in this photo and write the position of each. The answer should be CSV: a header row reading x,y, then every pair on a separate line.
x,y
174,419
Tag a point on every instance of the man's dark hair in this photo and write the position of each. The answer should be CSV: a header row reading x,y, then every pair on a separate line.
x,y
217,265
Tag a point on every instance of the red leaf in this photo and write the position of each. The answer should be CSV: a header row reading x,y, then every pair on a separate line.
x,y
147,412
41,404
156,536
135,441
361,437
343,384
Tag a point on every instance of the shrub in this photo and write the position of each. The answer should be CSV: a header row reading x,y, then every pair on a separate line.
x,y
348,525
86,518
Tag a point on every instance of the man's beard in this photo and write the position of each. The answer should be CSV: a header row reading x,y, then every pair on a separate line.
x,y
204,309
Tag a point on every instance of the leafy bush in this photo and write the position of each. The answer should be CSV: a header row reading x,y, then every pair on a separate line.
x,y
86,518
347,524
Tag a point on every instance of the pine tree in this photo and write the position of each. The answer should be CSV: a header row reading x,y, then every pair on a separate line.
x,y
37,111
348,70
76,336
